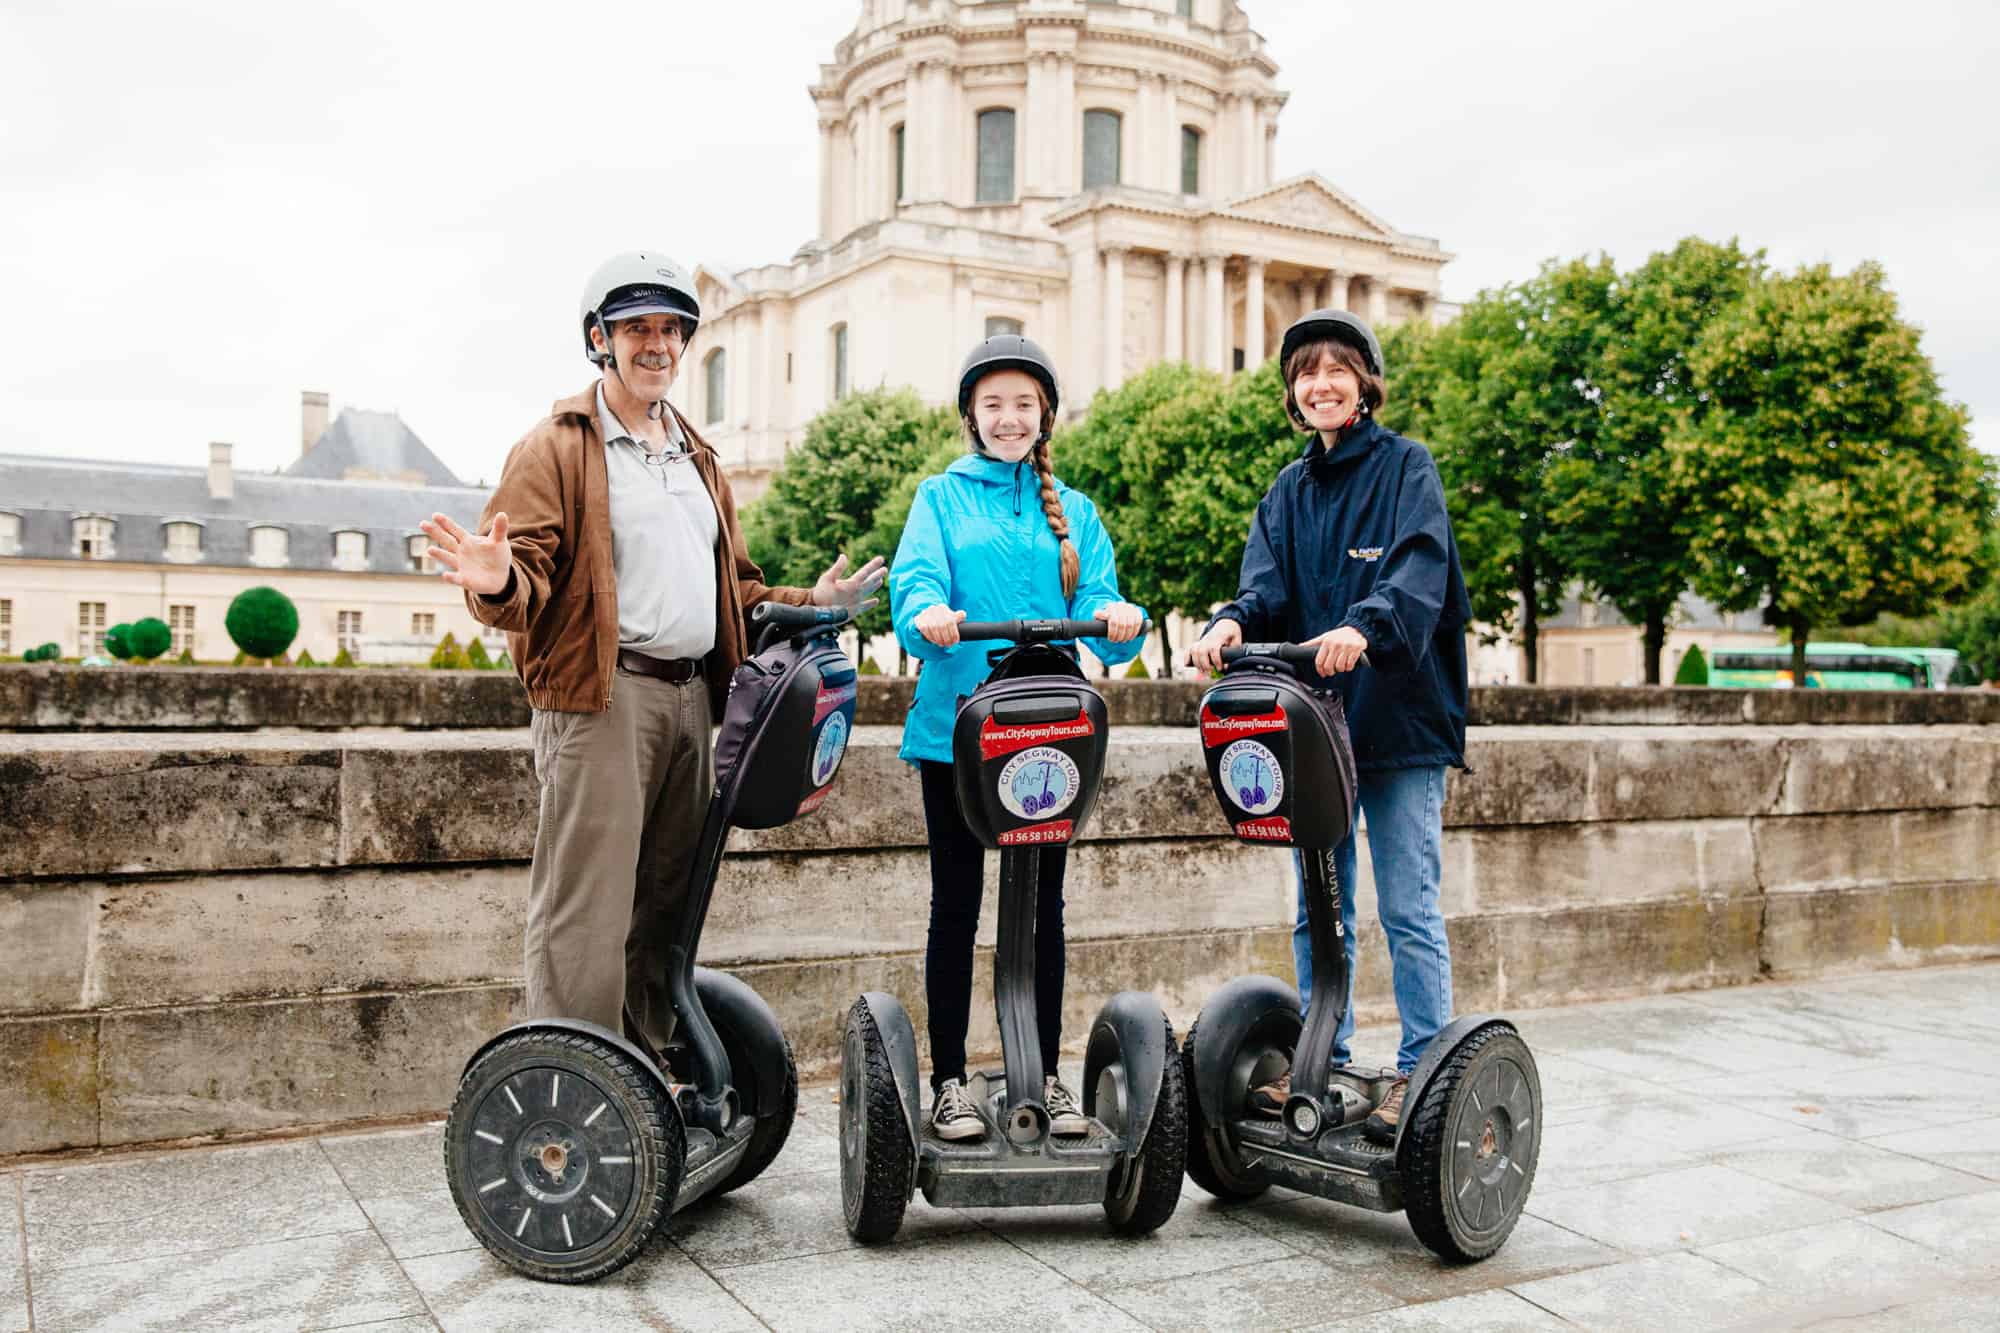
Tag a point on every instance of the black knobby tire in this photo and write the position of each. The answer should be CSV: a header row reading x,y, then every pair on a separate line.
x,y
1469,1152
877,1159
1144,1192
586,1217
774,1119
1201,1165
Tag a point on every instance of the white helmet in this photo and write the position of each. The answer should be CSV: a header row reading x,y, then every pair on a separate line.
x,y
638,283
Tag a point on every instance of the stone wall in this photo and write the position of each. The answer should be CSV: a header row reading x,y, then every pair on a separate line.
x,y
216,933
68,698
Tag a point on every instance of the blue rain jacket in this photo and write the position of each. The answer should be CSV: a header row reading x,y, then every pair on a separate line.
x,y
977,541
1359,536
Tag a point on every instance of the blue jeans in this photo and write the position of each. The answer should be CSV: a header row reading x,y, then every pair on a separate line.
x,y
1405,810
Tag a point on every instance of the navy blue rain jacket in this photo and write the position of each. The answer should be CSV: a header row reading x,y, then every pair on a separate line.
x,y
1359,536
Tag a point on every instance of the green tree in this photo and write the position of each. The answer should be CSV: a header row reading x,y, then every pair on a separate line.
x,y
262,622
343,658
822,502
476,656
118,642
448,656
1829,480
149,638
305,659
1613,518
1693,669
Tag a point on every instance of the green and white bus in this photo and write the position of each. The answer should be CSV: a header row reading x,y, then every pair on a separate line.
x,y
1834,666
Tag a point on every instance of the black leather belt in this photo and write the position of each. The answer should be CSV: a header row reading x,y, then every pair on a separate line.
x,y
673,670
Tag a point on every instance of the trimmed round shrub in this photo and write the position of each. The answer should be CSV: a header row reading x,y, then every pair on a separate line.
x,y
262,622
118,642
1693,669
51,652
149,638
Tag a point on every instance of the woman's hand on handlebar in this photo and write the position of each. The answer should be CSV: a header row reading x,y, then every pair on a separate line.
x,y
939,625
1206,654
1339,650
1123,621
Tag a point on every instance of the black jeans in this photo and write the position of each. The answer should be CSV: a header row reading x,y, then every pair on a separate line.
x,y
958,877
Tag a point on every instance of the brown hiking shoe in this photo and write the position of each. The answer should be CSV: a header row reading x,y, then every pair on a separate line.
x,y
1271,1098
1380,1127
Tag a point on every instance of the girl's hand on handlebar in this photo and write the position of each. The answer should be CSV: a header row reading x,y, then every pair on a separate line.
x,y
939,625
1123,621
1339,650
1206,654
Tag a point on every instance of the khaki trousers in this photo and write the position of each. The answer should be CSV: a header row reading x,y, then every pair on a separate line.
x,y
623,796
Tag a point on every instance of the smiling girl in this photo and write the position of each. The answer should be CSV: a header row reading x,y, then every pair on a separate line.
x,y
994,537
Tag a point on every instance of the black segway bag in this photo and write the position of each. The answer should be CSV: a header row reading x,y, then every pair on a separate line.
x,y
1028,750
784,731
1279,757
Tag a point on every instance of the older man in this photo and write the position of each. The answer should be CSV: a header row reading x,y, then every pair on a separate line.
x,y
612,556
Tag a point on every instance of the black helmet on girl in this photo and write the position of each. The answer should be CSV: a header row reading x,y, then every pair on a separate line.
x,y
1347,329
1010,351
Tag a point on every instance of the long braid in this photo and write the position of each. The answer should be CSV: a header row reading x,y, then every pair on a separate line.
x,y
1072,565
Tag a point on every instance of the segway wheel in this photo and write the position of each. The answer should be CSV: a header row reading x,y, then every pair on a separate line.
x,y
563,1155
773,1126
1146,1187
1202,1166
1468,1154
877,1159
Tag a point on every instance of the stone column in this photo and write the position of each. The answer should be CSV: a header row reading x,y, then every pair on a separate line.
x,y
1215,316
1173,345
737,390
1113,331
1271,149
763,389
1378,301
1068,177
1037,128
1253,314
826,166
871,190
1250,149
1084,308
1336,291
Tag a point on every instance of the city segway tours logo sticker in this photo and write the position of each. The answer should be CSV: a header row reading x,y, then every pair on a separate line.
x,y
997,738
832,745
1254,782
1038,782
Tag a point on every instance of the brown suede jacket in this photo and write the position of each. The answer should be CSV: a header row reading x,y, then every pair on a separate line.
x,y
560,605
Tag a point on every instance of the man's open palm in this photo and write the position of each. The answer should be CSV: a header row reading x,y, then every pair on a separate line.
x,y
477,564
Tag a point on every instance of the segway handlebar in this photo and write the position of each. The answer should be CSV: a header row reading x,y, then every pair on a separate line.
x,y
1037,631
1292,654
777,615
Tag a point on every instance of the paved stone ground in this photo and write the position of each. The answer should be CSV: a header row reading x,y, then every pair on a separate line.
x,y
1822,1156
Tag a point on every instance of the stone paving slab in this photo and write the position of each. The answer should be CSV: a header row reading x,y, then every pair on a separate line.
x,y
1681,1185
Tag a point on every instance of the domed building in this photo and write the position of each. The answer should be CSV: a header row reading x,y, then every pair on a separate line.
x,y
1097,175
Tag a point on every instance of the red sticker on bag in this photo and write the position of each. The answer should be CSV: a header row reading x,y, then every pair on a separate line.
x,y
1217,730
814,801
1056,830
830,698
1275,829
996,739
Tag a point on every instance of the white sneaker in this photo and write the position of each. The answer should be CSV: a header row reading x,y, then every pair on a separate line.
x,y
953,1116
1065,1116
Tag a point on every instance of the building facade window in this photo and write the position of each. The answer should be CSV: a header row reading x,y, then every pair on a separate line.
x,y
348,629
419,548
1102,135
183,543
92,538
10,534
839,362
423,624
350,550
715,386
999,325
180,620
1190,160
89,628
6,625
996,156
269,546
1185,8
900,142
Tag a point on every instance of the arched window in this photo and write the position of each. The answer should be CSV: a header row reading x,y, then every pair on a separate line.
x,y
350,549
996,325
715,386
10,534
418,546
92,537
1185,8
839,362
1102,131
183,542
1190,160
269,546
996,156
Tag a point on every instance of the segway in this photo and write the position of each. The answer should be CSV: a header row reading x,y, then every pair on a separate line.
x,y
567,1144
1028,752
1280,760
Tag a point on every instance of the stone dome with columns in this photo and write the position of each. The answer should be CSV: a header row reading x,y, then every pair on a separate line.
x,y
1096,175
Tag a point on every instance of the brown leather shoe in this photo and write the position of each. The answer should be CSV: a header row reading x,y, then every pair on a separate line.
x,y
1270,1099
1380,1126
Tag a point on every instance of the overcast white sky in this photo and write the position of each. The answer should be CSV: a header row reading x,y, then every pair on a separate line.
x,y
209,207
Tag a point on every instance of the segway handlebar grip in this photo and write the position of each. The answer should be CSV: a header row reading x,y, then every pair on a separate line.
x,y
1292,654
1036,631
798,617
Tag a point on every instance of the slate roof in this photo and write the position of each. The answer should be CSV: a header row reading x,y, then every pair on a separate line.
x,y
49,492
373,446
1691,612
